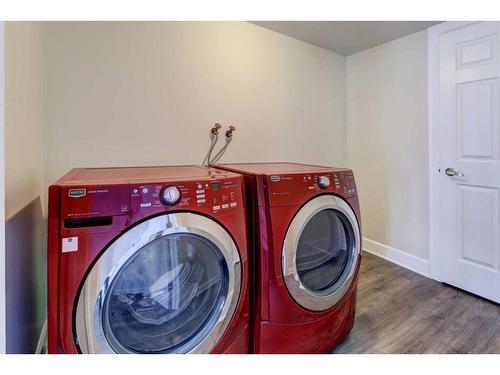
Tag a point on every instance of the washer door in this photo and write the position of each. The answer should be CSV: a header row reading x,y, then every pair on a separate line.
x,y
168,285
320,252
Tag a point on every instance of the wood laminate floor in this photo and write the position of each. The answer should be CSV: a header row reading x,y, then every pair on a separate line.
x,y
399,311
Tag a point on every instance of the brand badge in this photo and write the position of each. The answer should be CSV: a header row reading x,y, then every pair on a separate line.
x,y
275,178
77,193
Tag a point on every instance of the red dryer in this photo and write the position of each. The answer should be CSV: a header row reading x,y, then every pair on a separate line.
x,y
148,260
305,234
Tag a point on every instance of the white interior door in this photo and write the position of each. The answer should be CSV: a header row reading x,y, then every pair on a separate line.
x,y
469,139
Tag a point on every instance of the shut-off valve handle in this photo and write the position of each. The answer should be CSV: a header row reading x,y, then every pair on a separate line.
x,y
215,129
229,133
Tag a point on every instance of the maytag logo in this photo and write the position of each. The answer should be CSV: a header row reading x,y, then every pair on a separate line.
x,y
77,193
275,178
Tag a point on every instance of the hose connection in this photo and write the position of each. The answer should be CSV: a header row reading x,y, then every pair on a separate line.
x,y
215,129
229,133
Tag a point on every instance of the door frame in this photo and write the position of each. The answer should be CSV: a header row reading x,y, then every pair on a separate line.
x,y
3,341
433,34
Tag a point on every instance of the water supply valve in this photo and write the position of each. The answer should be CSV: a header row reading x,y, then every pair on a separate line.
x,y
229,133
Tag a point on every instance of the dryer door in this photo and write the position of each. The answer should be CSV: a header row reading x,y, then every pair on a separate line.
x,y
168,285
320,252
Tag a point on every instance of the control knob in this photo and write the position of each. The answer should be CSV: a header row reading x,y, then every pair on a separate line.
x,y
170,195
323,182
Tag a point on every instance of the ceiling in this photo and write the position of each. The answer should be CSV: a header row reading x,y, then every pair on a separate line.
x,y
346,37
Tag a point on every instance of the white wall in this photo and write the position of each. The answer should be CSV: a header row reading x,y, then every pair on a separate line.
x,y
147,93
24,228
24,114
387,145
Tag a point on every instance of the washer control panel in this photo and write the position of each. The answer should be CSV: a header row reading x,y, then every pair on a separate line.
x,y
213,196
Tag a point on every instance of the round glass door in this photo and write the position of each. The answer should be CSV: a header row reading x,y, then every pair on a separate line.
x,y
320,252
166,296
165,287
323,252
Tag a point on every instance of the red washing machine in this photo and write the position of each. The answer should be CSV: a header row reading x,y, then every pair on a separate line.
x,y
148,260
305,234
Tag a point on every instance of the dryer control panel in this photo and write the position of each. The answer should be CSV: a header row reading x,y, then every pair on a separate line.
x,y
288,189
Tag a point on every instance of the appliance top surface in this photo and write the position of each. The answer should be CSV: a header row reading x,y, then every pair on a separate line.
x,y
278,168
125,174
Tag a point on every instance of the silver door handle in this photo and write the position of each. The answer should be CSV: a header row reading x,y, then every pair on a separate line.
x,y
452,172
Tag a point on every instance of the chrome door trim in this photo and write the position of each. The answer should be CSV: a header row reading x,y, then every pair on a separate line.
x,y
303,296
88,318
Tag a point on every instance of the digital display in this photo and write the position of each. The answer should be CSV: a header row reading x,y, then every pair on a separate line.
x,y
215,185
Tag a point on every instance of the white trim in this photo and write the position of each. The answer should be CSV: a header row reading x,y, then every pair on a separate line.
x,y
433,35
42,339
411,262
3,342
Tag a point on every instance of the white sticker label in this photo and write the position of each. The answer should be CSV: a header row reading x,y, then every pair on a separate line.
x,y
69,244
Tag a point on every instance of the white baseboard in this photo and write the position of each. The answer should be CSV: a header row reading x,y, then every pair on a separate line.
x,y
411,262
